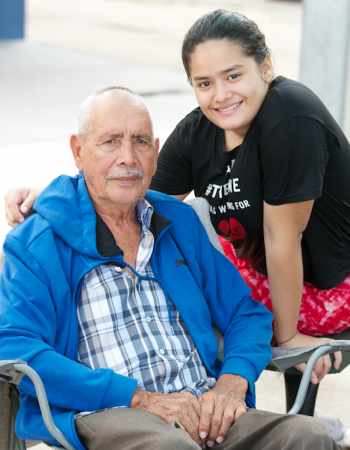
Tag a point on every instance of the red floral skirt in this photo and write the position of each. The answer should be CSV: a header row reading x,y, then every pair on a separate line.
x,y
322,311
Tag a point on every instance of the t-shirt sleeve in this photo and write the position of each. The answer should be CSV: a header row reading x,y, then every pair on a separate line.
x,y
294,158
174,168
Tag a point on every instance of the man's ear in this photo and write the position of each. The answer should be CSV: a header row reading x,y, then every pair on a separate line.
x,y
156,145
75,145
156,153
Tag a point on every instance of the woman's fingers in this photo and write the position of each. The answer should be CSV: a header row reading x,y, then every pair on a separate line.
x,y
324,364
27,203
338,359
18,204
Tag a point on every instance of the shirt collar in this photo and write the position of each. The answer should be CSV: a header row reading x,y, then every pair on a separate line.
x,y
144,212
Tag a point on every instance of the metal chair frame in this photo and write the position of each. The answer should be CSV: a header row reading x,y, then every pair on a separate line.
x,y
12,372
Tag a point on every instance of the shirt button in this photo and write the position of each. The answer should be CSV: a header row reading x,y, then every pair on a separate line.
x,y
148,319
162,351
118,269
161,370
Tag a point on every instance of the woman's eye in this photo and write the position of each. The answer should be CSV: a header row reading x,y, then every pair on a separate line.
x,y
203,84
233,76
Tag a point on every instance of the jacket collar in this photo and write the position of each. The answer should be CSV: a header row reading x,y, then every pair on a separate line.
x,y
105,242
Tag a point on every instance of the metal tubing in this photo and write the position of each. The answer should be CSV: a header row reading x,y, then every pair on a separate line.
x,y
44,405
299,401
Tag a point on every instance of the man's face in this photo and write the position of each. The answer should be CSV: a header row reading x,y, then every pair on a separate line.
x,y
118,153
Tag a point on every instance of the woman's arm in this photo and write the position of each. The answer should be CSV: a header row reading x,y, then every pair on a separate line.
x,y
283,228
19,202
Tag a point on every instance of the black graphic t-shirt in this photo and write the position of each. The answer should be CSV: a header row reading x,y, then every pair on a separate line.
x,y
294,151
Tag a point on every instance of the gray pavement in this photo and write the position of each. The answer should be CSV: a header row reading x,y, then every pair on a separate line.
x,y
76,46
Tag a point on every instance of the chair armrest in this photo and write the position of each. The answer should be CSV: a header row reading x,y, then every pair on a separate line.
x,y
283,358
289,357
9,373
12,372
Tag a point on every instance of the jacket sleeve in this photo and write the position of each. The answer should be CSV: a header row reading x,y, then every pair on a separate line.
x,y
29,331
245,323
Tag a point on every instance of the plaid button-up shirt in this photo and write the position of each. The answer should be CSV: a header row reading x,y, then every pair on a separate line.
x,y
127,324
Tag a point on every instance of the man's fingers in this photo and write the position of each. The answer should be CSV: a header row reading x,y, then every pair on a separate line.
x,y
229,418
189,416
190,424
242,409
179,409
207,404
216,422
196,407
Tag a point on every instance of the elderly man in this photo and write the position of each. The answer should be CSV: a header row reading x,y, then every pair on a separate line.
x,y
110,293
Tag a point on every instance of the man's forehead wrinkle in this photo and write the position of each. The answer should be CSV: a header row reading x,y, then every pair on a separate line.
x,y
117,130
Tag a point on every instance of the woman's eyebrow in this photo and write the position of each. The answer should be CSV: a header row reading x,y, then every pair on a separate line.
x,y
224,71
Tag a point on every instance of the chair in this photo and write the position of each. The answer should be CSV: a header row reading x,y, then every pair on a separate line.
x,y
11,373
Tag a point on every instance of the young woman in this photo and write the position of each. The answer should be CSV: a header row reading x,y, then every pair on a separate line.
x,y
274,166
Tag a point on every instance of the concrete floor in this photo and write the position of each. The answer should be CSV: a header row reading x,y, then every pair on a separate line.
x,y
77,46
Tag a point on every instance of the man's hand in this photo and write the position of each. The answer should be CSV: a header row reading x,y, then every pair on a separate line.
x,y
180,408
221,407
18,204
324,364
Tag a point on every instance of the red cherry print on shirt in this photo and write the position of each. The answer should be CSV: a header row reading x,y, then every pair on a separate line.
x,y
238,232
224,228
232,229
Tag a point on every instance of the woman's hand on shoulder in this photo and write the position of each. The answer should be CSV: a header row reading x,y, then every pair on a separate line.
x,y
324,364
18,204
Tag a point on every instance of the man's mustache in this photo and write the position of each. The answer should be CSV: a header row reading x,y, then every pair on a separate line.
x,y
125,172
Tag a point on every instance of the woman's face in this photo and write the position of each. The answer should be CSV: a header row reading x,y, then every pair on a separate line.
x,y
230,86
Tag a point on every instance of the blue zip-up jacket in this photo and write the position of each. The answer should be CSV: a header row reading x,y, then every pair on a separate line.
x,y
45,261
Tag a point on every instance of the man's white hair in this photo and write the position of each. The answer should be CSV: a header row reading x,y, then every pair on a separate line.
x,y
86,107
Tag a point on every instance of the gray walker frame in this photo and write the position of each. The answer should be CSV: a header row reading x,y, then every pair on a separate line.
x,y
12,372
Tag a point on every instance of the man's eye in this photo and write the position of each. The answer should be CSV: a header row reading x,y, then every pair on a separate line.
x,y
109,145
141,140
113,141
